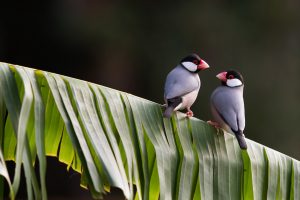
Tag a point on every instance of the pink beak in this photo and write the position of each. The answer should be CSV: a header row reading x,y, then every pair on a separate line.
x,y
222,76
203,65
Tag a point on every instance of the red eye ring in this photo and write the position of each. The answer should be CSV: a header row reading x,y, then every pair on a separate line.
x,y
230,77
195,62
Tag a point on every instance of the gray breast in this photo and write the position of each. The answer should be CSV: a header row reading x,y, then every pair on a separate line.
x,y
229,103
180,82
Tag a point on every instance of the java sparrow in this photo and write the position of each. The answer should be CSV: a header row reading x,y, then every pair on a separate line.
x,y
227,105
182,85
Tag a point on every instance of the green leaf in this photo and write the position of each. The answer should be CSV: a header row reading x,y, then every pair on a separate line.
x,y
109,130
3,169
60,93
119,120
115,139
188,169
10,141
19,114
295,181
148,116
202,133
95,134
67,154
39,123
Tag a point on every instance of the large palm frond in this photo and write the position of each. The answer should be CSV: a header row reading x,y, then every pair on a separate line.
x,y
116,139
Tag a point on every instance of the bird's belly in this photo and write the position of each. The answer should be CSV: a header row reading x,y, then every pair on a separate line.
x,y
188,100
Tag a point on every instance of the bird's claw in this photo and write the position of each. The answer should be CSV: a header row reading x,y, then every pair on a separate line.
x,y
216,125
189,113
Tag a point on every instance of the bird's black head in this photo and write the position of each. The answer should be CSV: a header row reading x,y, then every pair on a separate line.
x,y
231,78
194,63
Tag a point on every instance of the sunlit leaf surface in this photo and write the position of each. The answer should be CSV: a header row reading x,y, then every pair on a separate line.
x,y
115,139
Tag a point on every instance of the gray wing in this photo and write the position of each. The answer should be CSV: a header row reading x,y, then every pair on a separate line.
x,y
229,104
180,82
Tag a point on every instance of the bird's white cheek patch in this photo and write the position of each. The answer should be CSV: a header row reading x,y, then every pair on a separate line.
x,y
234,82
189,66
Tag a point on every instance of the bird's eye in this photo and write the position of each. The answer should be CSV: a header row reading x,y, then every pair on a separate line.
x,y
230,77
195,62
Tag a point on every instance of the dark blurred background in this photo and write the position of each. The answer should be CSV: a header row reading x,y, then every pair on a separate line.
x,y
132,46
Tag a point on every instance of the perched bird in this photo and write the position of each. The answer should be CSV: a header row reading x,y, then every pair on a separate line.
x,y
182,85
227,105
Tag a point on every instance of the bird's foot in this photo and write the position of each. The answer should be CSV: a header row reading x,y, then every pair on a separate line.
x,y
189,113
214,124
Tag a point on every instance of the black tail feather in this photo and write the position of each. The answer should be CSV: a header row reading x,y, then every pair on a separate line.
x,y
171,105
241,139
168,112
